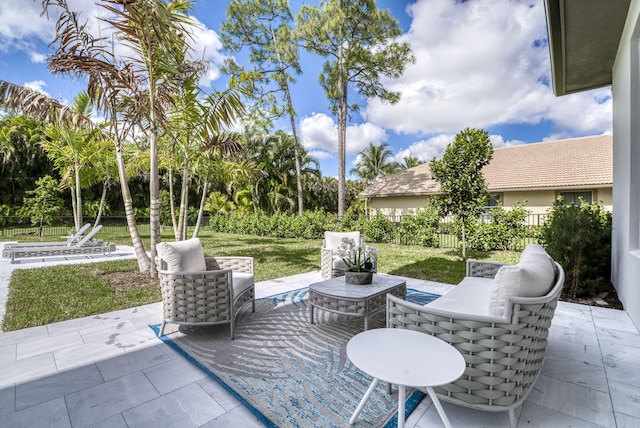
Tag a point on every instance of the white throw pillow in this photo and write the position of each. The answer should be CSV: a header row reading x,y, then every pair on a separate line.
x,y
532,277
182,256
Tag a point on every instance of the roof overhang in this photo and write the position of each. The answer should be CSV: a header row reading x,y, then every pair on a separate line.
x,y
583,42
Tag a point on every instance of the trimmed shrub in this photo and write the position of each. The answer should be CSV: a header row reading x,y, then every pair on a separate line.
x,y
420,228
579,238
505,230
379,229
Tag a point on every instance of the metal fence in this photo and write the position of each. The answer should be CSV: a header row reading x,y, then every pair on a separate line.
x,y
62,226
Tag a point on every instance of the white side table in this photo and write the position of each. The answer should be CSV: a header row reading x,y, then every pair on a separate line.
x,y
405,358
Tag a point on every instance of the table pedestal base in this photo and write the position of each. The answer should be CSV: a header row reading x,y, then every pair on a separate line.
x,y
401,404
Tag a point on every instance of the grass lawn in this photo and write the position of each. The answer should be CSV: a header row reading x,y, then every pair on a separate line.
x,y
57,293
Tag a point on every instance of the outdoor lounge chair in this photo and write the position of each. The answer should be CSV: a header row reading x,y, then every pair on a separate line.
x,y
331,264
87,245
498,325
199,290
71,239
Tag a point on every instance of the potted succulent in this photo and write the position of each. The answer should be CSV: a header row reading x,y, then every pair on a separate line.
x,y
359,260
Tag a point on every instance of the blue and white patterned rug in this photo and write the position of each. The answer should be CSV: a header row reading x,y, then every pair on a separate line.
x,y
288,372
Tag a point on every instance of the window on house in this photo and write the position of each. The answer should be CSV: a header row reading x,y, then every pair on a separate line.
x,y
493,200
573,198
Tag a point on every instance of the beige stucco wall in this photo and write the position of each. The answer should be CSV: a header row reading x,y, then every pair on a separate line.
x,y
538,202
395,207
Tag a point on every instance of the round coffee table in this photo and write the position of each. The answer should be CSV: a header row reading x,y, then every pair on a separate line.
x,y
405,358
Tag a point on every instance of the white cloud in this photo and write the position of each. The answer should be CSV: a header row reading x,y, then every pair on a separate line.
x,y
320,155
37,58
425,150
21,25
320,131
22,28
434,147
37,85
481,63
206,44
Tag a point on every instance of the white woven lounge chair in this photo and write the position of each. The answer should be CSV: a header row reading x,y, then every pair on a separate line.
x,y
86,245
504,354
331,264
199,290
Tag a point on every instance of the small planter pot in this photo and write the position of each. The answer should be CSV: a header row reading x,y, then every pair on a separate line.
x,y
358,278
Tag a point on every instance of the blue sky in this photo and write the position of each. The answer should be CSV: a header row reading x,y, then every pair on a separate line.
x,y
479,63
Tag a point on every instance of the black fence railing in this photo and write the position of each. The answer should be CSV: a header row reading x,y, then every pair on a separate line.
x,y
14,227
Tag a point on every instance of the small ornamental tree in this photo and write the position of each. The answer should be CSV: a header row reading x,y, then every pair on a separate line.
x,y
462,187
44,202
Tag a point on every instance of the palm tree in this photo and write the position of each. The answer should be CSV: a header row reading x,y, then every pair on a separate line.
x,y
410,162
197,126
275,155
72,149
136,90
375,162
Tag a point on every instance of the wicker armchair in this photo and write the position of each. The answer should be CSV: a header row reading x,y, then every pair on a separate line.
x,y
504,355
331,265
199,290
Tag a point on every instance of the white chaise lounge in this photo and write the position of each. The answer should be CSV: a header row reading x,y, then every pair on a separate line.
x,y
87,245
72,239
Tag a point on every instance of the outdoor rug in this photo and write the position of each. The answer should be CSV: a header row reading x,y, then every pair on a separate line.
x,y
288,372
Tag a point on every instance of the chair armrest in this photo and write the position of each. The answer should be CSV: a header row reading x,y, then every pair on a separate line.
x,y
237,264
414,316
478,269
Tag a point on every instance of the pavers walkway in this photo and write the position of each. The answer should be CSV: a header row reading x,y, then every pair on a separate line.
x,y
110,370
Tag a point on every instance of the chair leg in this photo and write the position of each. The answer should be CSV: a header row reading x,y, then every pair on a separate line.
x,y
513,423
164,323
231,329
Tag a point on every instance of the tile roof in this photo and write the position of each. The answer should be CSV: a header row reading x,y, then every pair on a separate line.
x,y
578,163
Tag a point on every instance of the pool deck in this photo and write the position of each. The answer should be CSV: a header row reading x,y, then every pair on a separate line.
x,y
110,370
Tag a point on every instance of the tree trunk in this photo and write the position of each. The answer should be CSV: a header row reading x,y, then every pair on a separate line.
x,y
74,207
342,131
205,188
154,180
464,242
296,145
78,195
182,219
172,206
144,263
105,187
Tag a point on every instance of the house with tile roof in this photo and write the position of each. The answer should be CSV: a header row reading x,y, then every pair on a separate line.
x,y
534,174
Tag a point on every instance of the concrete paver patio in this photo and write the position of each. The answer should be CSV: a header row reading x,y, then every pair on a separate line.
x,y
110,370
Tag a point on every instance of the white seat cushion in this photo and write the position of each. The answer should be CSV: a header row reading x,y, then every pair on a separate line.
x,y
241,282
182,256
471,296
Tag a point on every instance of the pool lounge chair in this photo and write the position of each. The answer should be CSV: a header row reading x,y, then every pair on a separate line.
x,y
86,245
71,239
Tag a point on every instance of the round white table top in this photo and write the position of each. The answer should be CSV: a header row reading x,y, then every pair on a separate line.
x,y
405,357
